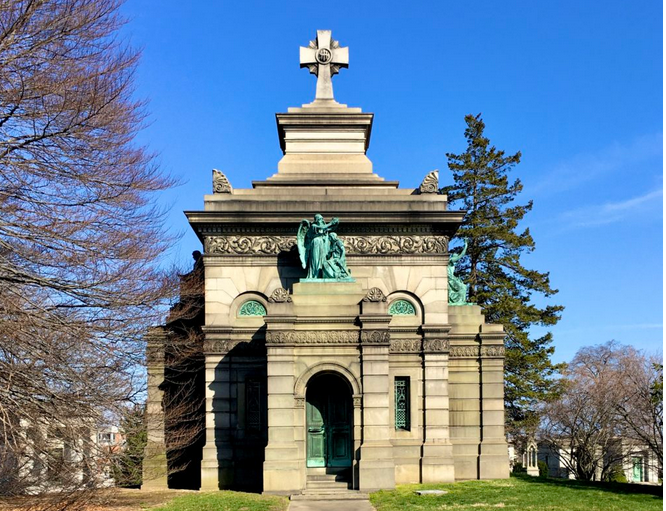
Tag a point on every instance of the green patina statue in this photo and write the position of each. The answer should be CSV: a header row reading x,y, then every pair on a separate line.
x,y
457,288
322,253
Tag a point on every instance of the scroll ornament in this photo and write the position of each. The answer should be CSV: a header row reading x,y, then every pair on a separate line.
x,y
375,337
405,346
436,345
430,183
220,182
280,295
313,337
374,295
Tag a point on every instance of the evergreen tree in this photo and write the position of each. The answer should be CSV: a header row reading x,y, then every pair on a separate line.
x,y
497,280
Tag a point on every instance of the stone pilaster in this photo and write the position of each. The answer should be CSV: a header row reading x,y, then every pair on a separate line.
x,y
437,460
493,452
376,465
217,469
284,467
155,460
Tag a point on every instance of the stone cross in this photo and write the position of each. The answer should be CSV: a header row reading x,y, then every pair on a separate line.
x,y
324,58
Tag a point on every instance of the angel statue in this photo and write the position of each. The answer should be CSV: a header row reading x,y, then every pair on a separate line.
x,y
457,288
321,251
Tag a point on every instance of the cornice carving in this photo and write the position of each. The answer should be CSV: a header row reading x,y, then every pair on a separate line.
x,y
405,346
430,183
313,337
375,337
248,245
492,351
385,245
375,295
220,182
464,351
280,295
436,345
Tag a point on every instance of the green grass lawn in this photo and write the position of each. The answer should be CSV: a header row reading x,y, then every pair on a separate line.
x,y
523,493
225,501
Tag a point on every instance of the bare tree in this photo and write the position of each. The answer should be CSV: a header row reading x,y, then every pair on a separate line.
x,y
607,410
80,236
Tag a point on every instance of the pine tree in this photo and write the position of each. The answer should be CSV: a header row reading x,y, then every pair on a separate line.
x,y
497,280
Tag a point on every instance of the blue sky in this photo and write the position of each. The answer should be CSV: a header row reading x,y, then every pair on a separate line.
x,y
576,86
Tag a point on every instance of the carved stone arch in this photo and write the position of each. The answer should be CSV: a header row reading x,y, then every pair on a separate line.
x,y
417,318
325,367
241,299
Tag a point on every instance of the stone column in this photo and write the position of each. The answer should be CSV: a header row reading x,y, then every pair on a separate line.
x,y
155,460
437,459
284,470
493,452
217,459
376,465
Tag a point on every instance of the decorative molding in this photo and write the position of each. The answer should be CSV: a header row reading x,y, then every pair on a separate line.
x,y
402,308
312,337
492,351
299,402
405,346
248,245
464,351
220,183
388,245
280,295
252,308
222,347
358,401
375,337
375,295
430,183
436,345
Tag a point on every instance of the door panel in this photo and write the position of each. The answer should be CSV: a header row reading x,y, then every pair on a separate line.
x,y
329,423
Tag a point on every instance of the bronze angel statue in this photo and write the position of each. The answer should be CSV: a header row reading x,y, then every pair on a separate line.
x,y
321,251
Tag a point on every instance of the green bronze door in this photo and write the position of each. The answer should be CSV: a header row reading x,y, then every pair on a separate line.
x,y
328,415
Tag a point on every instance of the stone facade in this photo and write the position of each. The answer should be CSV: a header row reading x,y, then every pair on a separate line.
x,y
411,387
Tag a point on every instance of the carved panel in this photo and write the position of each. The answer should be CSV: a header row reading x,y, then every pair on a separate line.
x,y
430,183
220,182
464,351
405,346
280,295
299,402
375,295
313,337
387,245
492,351
358,400
248,245
375,337
436,345
354,245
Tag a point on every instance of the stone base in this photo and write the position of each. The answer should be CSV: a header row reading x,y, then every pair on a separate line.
x,y
283,477
155,472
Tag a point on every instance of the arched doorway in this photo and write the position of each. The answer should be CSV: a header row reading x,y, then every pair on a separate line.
x,y
328,415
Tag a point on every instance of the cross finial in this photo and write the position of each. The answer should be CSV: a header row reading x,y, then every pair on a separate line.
x,y
324,57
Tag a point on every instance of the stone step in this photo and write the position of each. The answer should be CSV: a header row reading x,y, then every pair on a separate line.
x,y
311,485
338,495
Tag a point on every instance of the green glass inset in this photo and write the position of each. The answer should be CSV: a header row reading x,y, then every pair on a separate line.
x,y
252,308
401,388
402,308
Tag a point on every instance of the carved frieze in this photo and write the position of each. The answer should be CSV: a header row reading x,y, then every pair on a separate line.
x,y
430,183
280,295
313,337
405,346
431,345
375,337
375,295
464,351
354,245
389,245
248,245
220,182
222,347
492,351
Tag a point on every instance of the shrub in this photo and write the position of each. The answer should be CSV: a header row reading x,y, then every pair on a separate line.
x,y
543,468
518,468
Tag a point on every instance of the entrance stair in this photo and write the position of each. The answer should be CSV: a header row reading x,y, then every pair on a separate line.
x,y
327,484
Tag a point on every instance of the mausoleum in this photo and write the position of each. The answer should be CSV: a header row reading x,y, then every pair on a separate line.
x,y
334,353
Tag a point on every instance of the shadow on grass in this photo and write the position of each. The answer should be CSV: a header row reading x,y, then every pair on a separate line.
x,y
619,488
